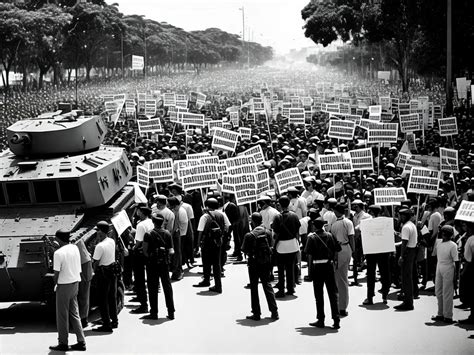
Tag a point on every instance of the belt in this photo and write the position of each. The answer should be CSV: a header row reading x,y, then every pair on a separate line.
x,y
323,261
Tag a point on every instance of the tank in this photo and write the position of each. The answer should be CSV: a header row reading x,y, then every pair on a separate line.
x,y
56,174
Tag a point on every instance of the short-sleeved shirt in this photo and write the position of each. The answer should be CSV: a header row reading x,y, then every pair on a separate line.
x,y
205,217
158,238
67,261
304,225
469,249
410,234
143,227
341,229
181,221
330,218
250,240
104,252
85,256
189,210
168,218
434,222
268,215
298,205
321,246
447,253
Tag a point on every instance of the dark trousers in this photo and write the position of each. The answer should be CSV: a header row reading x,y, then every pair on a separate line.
x,y
262,273
211,259
139,275
176,260
128,270
407,275
107,293
187,254
357,258
154,273
323,274
286,264
383,262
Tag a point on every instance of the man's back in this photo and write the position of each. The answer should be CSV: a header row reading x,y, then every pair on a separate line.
x,y
67,261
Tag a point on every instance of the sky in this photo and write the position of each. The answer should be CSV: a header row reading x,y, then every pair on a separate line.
x,y
275,23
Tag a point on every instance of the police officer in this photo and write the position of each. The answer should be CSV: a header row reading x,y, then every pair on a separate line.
x,y
258,267
322,247
157,248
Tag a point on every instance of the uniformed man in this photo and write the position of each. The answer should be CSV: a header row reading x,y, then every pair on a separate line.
x,y
259,268
322,247
157,248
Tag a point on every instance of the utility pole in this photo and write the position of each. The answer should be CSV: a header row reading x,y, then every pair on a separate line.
x,y
243,32
121,49
449,60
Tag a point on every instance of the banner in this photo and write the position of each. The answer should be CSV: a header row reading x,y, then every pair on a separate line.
x,y
377,235
388,196
137,62
449,160
121,222
375,112
242,186
224,139
362,159
382,132
385,103
424,181
341,129
263,182
149,126
296,116
150,108
335,163
160,170
256,152
191,119
404,108
402,159
288,178
169,99
448,126
383,75
241,164
200,181
234,118
245,133
466,211
142,177
410,123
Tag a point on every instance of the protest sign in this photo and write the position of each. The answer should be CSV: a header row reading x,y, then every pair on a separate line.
x,y
410,123
242,164
213,124
262,182
169,99
424,181
411,141
191,119
382,132
466,211
137,62
388,196
205,164
334,108
341,129
160,170
335,163
149,126
448,126
242,186
377,235
288,178
245,133
362,159
223,139
121,222
403,108
437,112
383,75
200,181
296,116
256,152
354,118
386,117
461,86
385,103
130,106
375,112
197,155
150,108
449,160
234,118
427,161
143,178
414,106
394,102
306,101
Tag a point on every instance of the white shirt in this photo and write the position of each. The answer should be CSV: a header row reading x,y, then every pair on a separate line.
x,y
205,216
469,249
104,252
447,253
189,210
143,227
410,233
181,221
304,225
67,261
298,205
329,217
168,218
268,215
287,246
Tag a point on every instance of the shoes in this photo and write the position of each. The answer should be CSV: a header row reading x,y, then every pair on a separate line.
x,y
81,346
280,294
462,306
203,284
150,316
247,286
253,317
404,307
368,302
134,299
290,293
170,315
469,320
275,316
416,297
422,287
298,281
337,324
215,289
448,320
60,347
354,283
177,277
318,324
384,299
239,258
139,310
400,297
307,279
103,329
437,318
114,325
84,323
343,313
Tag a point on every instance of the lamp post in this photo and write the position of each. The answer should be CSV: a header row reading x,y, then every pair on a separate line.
x,y
449,60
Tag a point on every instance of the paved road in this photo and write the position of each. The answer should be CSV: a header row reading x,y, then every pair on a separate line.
x,y
207,323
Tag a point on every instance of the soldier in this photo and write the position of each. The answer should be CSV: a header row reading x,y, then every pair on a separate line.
x,y
157,248
322,247
257,245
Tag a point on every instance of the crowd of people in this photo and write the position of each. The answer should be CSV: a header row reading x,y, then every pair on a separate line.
x,y
317,223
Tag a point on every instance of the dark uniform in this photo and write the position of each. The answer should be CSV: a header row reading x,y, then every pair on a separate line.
x,y
157,246
322,247
258,271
